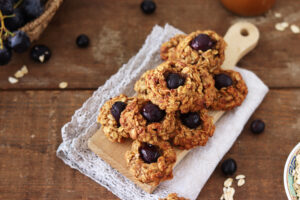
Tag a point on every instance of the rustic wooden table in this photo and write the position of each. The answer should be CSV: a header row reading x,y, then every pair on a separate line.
x,y
33,111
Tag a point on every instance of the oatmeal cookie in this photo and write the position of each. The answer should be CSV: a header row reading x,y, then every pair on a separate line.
x,y
173,196
151,163
167,49
202,47
145,121
231,89
175,85
193,129
109,117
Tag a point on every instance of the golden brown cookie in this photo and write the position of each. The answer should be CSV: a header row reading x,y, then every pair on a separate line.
x,y
167,49
145,121
193,88
231,90
110,125
193,129
202,47
151,163
173,196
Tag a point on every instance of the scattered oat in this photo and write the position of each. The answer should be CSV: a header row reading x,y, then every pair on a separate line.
x,y
24,69
295,29
281,26
228,193
42,58
277,15
222,197
19,74
228,182
241,176
63,85
12,80
241,182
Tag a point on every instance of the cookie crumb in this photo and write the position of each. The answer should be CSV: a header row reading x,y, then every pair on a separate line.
x,y
295,29
32,136
277,15
281,26
63,85
12,80
241,182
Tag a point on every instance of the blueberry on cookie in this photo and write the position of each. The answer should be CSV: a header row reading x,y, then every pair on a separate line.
x,y
231,90
174,85
193,129
145,121
151,162
109,118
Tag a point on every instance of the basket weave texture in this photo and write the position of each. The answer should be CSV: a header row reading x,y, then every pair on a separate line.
x,y
35,28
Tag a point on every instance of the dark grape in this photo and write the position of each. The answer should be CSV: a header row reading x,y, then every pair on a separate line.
x,y
5,55
20,42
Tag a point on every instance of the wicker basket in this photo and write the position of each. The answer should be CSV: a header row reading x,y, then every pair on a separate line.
x,y
35,28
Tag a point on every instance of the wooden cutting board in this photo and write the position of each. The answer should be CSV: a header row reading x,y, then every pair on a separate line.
x,y
241,38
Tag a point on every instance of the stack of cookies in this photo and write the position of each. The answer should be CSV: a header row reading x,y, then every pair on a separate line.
x,y
171,107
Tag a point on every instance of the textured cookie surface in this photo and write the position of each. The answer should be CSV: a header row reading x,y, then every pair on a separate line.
x,y
140,129
196,92
168,49
213,58
187,138
111,128
151,173
230,97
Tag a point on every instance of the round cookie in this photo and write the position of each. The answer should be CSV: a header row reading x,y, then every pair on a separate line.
x,y
145,121
110,123
202,47
231,90
193,129
151,163
175,85
167,49
173,196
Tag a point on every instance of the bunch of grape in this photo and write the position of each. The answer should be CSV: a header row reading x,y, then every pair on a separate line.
x,y
14,14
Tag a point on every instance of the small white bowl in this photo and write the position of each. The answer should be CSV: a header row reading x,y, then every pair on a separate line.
x,y
288,173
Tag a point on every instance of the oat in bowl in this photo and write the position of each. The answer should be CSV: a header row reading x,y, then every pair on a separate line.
x,y
291,174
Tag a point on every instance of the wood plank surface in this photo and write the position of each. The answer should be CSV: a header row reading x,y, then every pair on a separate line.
x,y
117,30
30,134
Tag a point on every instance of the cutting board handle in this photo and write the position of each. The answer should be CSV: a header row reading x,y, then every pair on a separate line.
x,y
241,38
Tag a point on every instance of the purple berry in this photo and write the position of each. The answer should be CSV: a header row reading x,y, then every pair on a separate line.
x,y
152,113
149,153
202,42
222,80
